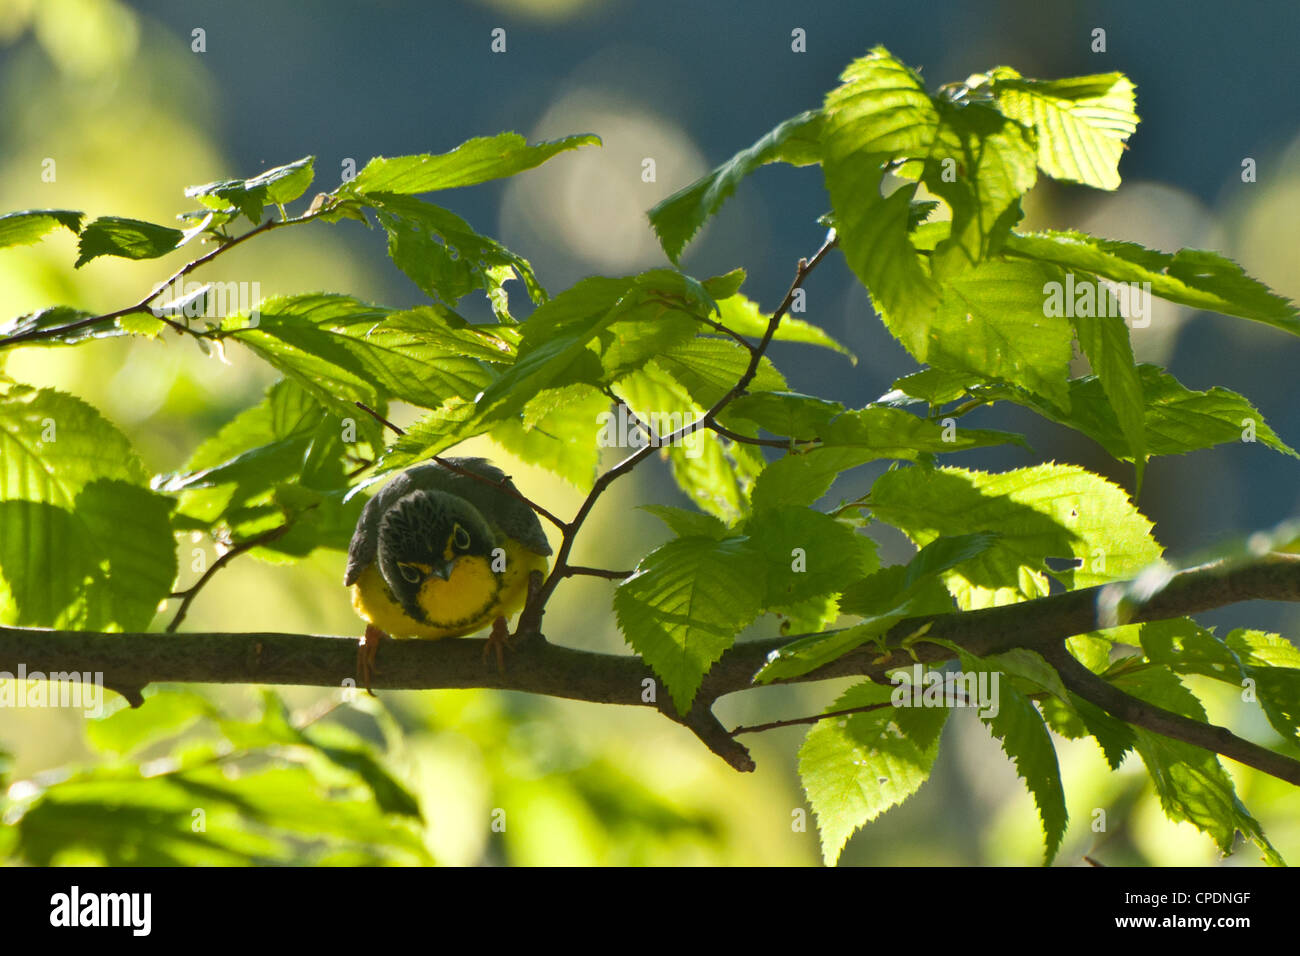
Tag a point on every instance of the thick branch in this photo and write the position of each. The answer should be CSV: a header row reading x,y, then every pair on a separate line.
x,y
134,660
1140,713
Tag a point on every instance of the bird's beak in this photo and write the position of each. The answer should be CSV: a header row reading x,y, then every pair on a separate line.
x,y
443,570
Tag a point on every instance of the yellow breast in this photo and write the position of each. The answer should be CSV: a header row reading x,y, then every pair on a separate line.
x,y
471,599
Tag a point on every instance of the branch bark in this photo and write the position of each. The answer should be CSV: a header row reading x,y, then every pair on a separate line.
x,y
129,662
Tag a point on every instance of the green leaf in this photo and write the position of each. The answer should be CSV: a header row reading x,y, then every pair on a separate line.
x,y
1270,663
343,350
806,553
60,316
855,767
274,187
1190,782
896,588
319,519
981,164
82,544
1106,342
677,218
710,367
561,437
687,524
272,442
879,113
441,252
1176,419
785,413
805,654
855,438
164,714
1047,511
882,598
285,812
280,462
685,605
701,466
991,321
52,444
1081,123
1202,280
474,161
452,422
596,332
810,616
31,225
936,386
743,316
1026,741
706,470
127,239
1115,737
127,533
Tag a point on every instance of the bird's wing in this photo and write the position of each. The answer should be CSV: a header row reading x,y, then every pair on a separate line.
x,y
511,515
365,539
508,513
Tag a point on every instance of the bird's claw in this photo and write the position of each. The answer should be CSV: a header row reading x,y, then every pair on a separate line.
x,y
367,649
498,640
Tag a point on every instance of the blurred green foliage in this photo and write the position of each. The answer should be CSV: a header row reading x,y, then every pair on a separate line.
x,y
477,777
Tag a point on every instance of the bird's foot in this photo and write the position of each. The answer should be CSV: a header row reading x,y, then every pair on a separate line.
x,y
498,640
367,648
529,626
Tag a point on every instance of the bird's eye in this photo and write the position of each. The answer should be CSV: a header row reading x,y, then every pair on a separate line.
x,y
410,572
460,538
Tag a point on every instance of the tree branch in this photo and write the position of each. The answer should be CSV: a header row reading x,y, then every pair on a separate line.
x,y
539,667
189,594
143,304
531,617
1140,713
784,443
612,575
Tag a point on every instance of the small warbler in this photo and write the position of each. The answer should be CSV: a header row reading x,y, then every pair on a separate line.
x,y
438,553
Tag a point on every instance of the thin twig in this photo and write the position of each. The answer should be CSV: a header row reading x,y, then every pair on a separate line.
x,y
814,718
143,304
573,569
744,342
531,616
189,594
399,432
785,443
811,719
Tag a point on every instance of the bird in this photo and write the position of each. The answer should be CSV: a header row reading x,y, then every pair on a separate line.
x,y
444,549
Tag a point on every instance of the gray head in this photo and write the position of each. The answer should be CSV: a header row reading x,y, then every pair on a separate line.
x,y
423,535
